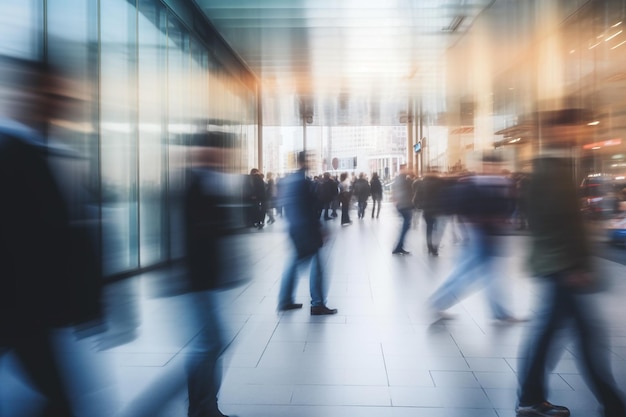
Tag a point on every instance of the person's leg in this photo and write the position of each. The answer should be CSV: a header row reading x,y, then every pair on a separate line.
x,y
549,318
457,284
378,212
316,282
287,284
204,373
36,356
595,355
430,225
406,225
345,212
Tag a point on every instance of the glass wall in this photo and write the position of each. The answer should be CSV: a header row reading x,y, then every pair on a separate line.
x,y
141,82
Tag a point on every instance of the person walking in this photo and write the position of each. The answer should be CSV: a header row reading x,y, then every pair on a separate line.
x,y
45,262
362,193
428,199
345,198
402,194
299,202
484,202
376,190
561,258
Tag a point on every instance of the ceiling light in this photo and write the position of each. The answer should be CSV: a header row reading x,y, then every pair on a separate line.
x,y
617,24
619,44
612,36
597,147
594,123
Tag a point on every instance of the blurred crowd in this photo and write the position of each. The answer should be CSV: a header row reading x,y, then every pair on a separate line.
x,y
50,274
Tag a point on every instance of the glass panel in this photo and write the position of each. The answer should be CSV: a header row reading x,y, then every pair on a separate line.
x,y
118,136
21,24
72,37
152,67
178,56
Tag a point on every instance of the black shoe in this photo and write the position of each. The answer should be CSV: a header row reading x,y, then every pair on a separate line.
x,y
400,252
292,306
322,311
544,409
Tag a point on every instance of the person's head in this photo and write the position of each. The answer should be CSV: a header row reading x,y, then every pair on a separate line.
x,y
303,160
34,92
214,150
343,176
374,175
565,128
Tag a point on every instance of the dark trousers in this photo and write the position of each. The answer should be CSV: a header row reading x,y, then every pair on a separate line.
x,y
561,306
375,204
407,214
362,207
345,208
36,356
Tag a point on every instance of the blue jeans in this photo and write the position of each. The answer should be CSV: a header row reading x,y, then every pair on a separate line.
x,y
407,214
476,265
558,307
316,281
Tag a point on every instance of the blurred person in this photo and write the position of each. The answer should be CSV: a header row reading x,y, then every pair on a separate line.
x,y
255,192
362,193
560,256
482,201
299,201
345,198
334,205
271,193
402,195
376,189
427,197
46,265
327,192
214,219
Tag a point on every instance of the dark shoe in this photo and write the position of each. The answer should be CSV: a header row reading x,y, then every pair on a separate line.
x,y
400,252
544,409
292,306
322,311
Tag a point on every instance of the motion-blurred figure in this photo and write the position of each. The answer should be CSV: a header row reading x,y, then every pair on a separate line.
x,y
376,189
39,286
483,203
345,198
215,216
427,198
327,192
299,201
402,194
362,193
560,256
271,194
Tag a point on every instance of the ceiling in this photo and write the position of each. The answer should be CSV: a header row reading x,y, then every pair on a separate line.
x,y
345,62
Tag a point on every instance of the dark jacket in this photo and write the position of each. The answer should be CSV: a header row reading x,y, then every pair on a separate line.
x,y
558,237
37,288
214,226
376,188
361,189
300,202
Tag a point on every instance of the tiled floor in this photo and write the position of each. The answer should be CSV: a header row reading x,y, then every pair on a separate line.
x,y
379,357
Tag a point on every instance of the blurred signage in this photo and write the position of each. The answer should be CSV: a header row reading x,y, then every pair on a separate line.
x,y
610,142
